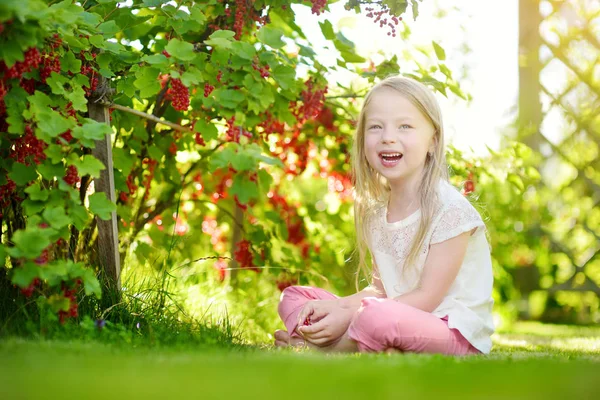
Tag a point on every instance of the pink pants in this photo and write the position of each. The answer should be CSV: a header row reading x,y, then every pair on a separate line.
x,y
381,324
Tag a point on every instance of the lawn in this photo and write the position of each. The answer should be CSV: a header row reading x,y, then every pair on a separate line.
x,y
530,361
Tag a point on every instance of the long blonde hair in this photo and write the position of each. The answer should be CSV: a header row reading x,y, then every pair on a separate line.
x,y
371,190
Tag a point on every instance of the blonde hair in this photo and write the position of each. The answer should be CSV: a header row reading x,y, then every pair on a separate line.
x,y
371,190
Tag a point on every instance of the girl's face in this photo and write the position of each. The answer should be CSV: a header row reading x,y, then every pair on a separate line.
x,y
397,137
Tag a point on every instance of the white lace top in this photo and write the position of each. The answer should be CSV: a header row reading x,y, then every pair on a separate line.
x,y
468,303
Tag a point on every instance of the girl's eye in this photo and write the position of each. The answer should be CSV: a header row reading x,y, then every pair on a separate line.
x,y
405,126
375,127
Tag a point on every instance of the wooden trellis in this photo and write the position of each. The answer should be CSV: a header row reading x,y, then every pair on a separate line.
x,y
559,72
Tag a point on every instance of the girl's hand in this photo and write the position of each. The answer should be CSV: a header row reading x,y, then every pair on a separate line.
x,y
327,320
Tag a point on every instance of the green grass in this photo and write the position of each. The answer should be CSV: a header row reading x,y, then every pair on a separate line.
x,y
530,361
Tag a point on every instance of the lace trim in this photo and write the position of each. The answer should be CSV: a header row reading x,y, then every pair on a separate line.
x,y
455,219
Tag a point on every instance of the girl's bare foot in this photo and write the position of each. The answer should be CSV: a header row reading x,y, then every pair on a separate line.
x,y
283,339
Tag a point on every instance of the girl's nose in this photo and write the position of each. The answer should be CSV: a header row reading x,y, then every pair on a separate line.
x,y
387,137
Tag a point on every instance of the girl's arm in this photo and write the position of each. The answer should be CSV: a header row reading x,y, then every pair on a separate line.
x,y
375,289
441,267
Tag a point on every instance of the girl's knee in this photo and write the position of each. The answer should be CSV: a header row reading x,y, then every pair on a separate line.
x,y
372,317
291,298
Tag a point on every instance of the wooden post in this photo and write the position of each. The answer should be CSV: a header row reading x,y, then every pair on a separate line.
x,y
108,239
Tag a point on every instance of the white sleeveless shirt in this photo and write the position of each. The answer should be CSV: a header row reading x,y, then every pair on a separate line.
x,y
468,303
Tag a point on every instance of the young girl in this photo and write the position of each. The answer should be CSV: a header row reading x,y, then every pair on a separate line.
x,y
431,281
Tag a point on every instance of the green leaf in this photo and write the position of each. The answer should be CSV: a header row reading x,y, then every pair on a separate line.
x,y
101,205
516,181
156,59
30,242
285,76
244,189
155,3
109,29
91,131
244,161
56,83
51,123
229,98
218,42
265,180
79,215
69,63
49,170
183,51
123,160
77,98
191,77
222,158
271,37
90,283
439,51
58,303
22,174
415,9
147,81
90,165
352,57
23,276
244,50
10,52
56,217
36,193
207,130
327,30
221,38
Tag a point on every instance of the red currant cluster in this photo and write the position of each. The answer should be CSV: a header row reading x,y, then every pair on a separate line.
x,y
28,85
28,291
469,185
166,54
180,95
28,148
89,71
391,21
318,6
240,17
325,118
131,187
31,62
234,133
285,281
66,136
221,267
71,177
297,149
198,187
243,255
225,182
271,125
208,88
148,177
264,71
312,102
340,184
43,258
51,63
218,239
293,221
69,293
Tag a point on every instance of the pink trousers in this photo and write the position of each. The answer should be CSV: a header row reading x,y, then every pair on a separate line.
x,y
381,324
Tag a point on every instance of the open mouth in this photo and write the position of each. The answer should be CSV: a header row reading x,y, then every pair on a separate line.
x,y
390,157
